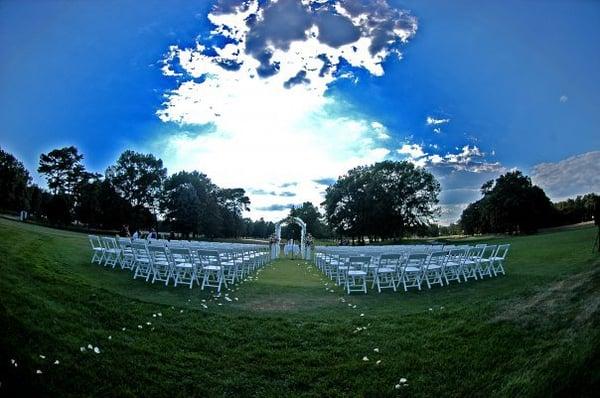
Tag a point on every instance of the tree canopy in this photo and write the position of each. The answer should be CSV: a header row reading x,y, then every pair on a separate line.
x,y
510,204
63,169
138,178
14,179
382,200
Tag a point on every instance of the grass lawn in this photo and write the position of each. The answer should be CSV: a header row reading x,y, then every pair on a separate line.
x,y
533,332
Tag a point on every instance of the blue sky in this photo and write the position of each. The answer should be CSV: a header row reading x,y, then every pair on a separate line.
x,y
466,89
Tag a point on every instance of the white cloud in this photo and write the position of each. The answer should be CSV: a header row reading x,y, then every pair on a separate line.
x,y
414,151
264,96
569,177
563,99
432,121
470,159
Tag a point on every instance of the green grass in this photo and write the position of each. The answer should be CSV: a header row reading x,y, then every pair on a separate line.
x,y
534,332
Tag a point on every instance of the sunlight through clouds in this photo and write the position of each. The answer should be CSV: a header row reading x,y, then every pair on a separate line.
x,y
262,99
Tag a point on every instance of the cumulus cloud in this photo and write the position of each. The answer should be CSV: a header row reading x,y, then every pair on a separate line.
x,y
563,99
469,158
258,84
569,177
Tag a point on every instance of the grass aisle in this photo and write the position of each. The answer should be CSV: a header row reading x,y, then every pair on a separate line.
x,y
284,331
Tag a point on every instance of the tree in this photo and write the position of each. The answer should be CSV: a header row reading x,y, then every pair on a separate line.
x,y
383,200
63,170
58,209
138,178
14,179
233,202
510,204
313,218
579,209
184,201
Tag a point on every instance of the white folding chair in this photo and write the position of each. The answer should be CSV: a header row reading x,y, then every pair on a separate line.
x,y
356,273
142,262
182,266
111,252
434,268
126,258
485,261
412,270
97,249
454,264
471,263
161,266
386,269
212,270
498,259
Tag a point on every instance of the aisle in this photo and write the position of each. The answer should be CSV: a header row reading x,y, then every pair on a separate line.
x,y
288,285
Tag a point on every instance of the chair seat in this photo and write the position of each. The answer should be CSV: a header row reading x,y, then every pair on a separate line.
x,y
163,263
183,265
213,267
434,266
356,273
385,270
412,269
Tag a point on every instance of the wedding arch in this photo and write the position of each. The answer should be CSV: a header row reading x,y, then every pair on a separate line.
x,y
302,225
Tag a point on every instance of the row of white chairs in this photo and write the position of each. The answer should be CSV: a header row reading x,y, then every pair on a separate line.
x,y
410,266
202,263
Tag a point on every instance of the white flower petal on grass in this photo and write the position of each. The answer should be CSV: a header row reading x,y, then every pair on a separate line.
x,y
124,329
235,298
90,346
110,337
181,311
365,358
403,380
376,349
397,386
42,356
97,350
160,314
140,326
220,304
148,323
362,314
12,361
378,362
82,349
153,315
38,372
57,362
431,309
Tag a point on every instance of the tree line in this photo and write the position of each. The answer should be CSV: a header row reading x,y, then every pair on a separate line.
x,y
134,191
513,204
388,200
